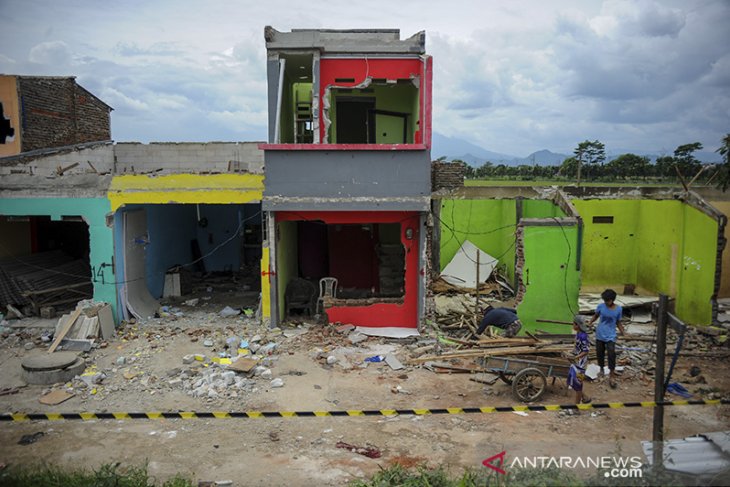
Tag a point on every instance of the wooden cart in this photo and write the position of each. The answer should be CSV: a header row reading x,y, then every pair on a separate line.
x,y
527,374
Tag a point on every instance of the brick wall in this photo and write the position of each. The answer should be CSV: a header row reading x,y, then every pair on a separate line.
x,y
93,120
56,112
447,175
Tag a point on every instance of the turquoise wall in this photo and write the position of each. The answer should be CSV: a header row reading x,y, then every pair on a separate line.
x,y
93,211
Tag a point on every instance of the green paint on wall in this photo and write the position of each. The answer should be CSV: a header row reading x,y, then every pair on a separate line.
x,y
697,267
610,250
287,261
551,280
401,98
488,224
661,246
541,209
93,211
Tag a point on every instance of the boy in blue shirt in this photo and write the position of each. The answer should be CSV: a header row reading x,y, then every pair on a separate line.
x,y
610,315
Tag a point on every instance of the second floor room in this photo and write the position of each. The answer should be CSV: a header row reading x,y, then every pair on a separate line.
x,y
348,88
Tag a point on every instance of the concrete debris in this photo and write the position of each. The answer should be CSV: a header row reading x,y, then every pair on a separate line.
x,y
277,383
331,360
356,338
393,362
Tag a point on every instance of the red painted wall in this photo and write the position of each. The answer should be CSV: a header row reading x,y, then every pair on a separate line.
x,y
360,69
378,315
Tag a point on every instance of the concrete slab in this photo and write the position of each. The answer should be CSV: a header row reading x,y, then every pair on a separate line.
x,y
52,361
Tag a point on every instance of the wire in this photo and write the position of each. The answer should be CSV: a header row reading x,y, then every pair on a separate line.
x,y
567,266
116,283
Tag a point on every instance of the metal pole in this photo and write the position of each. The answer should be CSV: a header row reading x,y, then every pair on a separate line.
x,y
661,345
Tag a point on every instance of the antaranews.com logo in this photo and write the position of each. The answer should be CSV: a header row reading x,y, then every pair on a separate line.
x,y
614,467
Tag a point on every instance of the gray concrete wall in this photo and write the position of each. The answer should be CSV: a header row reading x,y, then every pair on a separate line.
x,y
92,159
272,81
385,41
136,158
189,157
348,179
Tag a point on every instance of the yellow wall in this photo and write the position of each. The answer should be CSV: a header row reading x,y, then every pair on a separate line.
x,y
724,206
194,188
9,99
186,188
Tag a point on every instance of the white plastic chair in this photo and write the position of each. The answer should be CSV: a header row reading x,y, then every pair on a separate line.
x,y
327,289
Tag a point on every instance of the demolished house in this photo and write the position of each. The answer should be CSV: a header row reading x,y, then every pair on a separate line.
x,y
351,222
347,175
556,244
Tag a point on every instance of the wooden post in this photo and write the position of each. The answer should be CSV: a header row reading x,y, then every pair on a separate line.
x,y
476,302
661,345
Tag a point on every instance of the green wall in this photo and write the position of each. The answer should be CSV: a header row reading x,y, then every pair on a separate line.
x,y
401,98
93,211
610,250
287,260
551,280
661,246
697,267
541,209
488,224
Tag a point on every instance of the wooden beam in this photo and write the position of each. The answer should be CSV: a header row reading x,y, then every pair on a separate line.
x,y
64,330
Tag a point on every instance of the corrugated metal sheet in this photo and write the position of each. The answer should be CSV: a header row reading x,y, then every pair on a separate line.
x,y
705,454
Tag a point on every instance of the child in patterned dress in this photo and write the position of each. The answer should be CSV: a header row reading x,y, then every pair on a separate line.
x,y
579,359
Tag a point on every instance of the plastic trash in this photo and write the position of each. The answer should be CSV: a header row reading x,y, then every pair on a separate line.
x,y
375,359
678,389
227,312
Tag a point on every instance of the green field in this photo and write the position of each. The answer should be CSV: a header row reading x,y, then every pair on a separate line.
x,y
517,182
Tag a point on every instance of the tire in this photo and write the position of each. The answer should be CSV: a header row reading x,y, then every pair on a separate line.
x,y
529,384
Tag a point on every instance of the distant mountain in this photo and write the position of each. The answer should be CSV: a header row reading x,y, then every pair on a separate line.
x,y
474,155
454,148
543,158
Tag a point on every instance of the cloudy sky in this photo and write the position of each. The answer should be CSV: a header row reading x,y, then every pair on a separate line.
x,y
510,76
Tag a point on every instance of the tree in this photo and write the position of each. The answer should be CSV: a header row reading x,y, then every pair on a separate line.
x,y
569,168
724,177
485,170
685,159
664,167
629,166
589,153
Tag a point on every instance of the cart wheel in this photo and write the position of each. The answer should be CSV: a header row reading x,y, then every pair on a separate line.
x,y
505,378
529,384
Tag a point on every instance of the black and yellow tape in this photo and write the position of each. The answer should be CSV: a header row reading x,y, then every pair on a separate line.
x,y
88,416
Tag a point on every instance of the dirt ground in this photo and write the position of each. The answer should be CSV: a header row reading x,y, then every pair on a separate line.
x,y
298,451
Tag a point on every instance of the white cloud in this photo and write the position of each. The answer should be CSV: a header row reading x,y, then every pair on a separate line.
x,y
53,53
513,77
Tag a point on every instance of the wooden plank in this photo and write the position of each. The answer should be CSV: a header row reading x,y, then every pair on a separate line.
x,y
64,330
54,289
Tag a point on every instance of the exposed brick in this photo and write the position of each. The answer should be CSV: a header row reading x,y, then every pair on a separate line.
x,y
57,112
447,175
